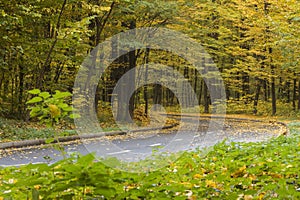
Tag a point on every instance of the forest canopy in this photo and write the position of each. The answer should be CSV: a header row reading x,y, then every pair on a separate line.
x,y
254,43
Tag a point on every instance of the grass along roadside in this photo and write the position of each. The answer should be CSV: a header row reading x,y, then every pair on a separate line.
x,y
267,170
13,130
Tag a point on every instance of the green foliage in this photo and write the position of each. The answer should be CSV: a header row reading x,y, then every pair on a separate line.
x,y
267,170
13,130
50,109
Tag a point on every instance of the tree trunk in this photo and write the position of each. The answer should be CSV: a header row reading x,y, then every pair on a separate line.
x,y
128,62
273,87
294,93
21,91
132,65
157,96
299,94
266,96
146,81
100,24
206,99
46,65
273,94
287,91
258,86
200,91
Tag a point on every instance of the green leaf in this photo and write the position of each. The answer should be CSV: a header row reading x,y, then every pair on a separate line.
x,y
45,95
34,91
68,109
60,95
35,111
63,105
74,116
34,100
49,140
105,190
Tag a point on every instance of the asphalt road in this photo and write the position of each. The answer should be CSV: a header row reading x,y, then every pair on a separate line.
x,y
135,148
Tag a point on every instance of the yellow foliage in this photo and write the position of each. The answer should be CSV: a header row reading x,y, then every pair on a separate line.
x,y
197,176
240,172
54,111
248,197
274,175
37,187
261,196
210,183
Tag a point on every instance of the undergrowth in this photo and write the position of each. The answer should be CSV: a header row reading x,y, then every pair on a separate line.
x,y
12,130
267,170
263,108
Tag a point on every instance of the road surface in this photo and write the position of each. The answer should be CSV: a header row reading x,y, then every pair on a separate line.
x,y
134,148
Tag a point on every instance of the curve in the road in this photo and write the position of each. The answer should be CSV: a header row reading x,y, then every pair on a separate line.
x,y
145,145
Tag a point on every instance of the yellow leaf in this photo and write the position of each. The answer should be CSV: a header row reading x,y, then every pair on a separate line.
x,y
105,8
252,177
37,187
210,183
196,176
87,191
274,175
242,168
54,111
261,196
248,197
57,167
196,156
240,172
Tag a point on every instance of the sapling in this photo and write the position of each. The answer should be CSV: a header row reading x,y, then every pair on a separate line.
x,y
51,110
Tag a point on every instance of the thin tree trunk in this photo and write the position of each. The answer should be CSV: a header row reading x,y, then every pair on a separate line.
x,y
294,93
205,97
46,64
21,90
99,29
146,82
273,94
299,94
280,89
132,65
273,87
200,91
266,96
256,96
287,90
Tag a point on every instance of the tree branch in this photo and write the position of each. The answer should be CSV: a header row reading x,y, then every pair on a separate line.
x,y
47,62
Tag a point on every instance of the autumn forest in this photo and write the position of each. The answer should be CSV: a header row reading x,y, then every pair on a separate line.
x,y
255,45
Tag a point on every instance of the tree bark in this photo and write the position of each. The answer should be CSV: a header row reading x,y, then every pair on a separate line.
x,y
256,98
273,94
294,93
46,64
299,94
146,81
21,91
206,98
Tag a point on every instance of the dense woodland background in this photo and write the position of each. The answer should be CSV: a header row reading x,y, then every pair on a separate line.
x,y
254,43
